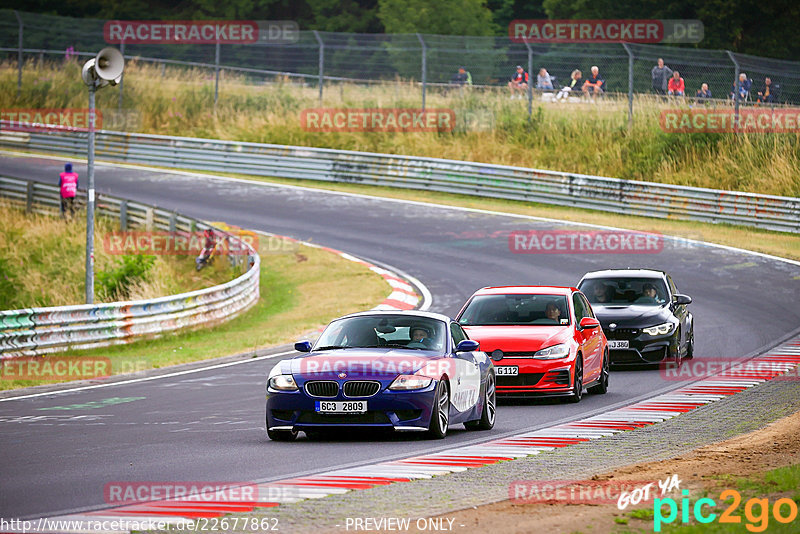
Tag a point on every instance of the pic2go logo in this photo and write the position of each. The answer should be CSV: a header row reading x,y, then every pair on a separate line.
x,y
758,521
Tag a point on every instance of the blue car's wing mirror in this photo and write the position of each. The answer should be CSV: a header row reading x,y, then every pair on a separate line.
x,y
302,346
467,345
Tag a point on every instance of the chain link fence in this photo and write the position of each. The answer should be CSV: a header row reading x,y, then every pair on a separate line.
x,y
430,61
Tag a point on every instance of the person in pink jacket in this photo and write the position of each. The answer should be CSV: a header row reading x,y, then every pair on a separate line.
x,y
676,86
68,185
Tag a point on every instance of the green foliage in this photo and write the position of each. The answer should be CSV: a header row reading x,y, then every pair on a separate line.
x,y
117,280
441,17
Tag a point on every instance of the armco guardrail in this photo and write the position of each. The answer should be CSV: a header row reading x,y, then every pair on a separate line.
x,y
36,331
429,174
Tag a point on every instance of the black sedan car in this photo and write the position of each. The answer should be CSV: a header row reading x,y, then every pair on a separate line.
x,y
644,317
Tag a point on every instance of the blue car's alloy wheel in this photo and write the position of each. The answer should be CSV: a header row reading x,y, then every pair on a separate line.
x,y
440,418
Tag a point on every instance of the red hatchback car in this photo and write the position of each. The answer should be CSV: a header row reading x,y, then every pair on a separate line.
x,y
543,340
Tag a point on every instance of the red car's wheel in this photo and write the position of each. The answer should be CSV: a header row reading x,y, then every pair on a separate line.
x,y
577,383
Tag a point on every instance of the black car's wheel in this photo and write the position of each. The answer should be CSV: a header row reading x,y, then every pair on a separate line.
x,y
602,386
440,418
486,422
282,435
577,384
690,345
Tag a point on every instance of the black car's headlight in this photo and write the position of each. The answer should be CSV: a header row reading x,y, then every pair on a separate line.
x,y
283,383
553,353
659,330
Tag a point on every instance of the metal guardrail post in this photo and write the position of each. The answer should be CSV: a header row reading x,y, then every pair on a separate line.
x,y
216,74
163,69
630,85
530,78
29,198
19,55
738,85
89,283
172,221
123,215
424,68
321,64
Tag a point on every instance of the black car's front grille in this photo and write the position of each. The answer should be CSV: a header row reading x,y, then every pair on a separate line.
x,y
322,388
622,333
353,418
625,356
361,388
526,379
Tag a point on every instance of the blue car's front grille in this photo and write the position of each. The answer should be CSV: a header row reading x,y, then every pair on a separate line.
x,y
322,388
361,388
354,418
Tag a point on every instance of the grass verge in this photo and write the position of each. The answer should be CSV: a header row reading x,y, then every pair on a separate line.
x,y
296,297
42,263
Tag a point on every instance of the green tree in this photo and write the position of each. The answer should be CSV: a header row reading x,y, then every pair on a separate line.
x,y
443,17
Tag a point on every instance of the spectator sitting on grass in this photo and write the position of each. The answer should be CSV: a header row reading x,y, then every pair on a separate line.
x,y
743,87
660,75
704,93
593,83
767,94
543,80
574,84
519,82
462,77
676,86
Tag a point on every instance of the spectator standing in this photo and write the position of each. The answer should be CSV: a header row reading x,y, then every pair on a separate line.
x,y
743,87
574,84
676,85
543,80
767,94
462,77
68,185
594,83
660,75
519,82
704,93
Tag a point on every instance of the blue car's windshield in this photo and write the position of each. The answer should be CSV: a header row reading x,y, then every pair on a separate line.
x,y
397,331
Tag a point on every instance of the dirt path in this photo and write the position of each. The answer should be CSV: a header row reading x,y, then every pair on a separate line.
x,y
777,445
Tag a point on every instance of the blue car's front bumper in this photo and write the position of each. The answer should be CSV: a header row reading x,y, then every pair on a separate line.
x,y
398,410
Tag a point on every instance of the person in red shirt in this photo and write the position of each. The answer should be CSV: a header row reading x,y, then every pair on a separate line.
x,y
68,186
676,87
519,82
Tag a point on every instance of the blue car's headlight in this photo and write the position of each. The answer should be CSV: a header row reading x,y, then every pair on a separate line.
x,y
283,383
553,353
659,330
409,382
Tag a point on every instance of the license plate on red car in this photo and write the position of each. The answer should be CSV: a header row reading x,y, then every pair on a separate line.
x,y
340,406
507,370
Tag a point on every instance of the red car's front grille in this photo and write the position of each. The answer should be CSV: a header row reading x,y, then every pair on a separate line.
x,y
524,379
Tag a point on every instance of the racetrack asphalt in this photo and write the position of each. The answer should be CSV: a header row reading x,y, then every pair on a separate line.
x,y
209,425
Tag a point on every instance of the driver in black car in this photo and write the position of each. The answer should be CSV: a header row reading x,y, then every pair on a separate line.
x,y
601,293
649,295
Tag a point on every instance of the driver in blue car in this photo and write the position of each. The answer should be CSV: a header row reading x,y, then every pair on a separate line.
x,y
420,337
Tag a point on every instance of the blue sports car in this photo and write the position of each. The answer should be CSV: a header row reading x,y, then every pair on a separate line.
x,y
407,371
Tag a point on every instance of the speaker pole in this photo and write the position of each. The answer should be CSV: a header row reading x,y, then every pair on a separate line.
x,y
90,202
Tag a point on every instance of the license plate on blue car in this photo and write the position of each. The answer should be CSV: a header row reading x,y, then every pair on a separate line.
x,y
341,406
